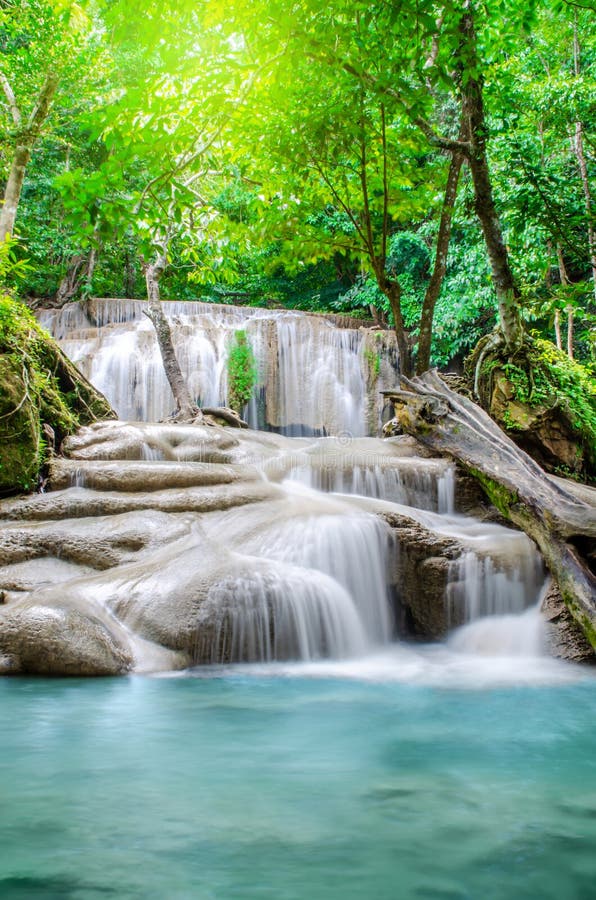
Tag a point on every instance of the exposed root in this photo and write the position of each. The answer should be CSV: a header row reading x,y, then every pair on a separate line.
x,y
228,415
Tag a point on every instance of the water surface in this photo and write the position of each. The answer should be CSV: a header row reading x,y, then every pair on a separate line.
x,y
334,781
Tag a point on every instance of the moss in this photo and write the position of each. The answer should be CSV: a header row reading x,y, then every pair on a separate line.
x,y
498,494
20,440
373,362
39,386
581,618
242,372
541,387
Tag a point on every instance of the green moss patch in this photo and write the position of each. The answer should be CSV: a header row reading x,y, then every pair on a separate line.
x,y
545,401
242,372
39,387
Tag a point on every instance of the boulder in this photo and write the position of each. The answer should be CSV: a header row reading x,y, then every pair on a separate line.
x,y
43,397
425,609
38,640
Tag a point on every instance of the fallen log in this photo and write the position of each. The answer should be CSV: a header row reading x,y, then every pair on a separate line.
x,y
559,518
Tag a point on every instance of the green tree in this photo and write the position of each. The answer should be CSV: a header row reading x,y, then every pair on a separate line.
x,y
42,43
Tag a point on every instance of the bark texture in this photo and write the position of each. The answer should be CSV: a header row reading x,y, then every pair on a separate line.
x,y
392,290
79,273
187,409
473,111
559,516
440,265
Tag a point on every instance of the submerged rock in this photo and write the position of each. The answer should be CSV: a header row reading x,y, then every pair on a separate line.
x,y
421,578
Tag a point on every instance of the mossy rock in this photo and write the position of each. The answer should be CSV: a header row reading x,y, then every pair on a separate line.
x,y
43,397
545,402
21,448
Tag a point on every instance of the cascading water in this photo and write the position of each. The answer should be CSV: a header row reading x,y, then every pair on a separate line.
x,y
500,591
425,487
289,557
329,542
313,377
292,613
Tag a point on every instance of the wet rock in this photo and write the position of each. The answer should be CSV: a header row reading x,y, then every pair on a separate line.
x,y
565,639
131,476
470,499
140,440
80,502
38,640
421,577
40,572
95,543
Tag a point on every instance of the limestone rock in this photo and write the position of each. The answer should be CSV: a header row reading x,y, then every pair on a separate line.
x,y
565,639
39,640
140,440
81,502
421,576
131,475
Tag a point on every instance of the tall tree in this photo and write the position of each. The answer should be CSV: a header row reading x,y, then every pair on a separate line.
x,y
39,40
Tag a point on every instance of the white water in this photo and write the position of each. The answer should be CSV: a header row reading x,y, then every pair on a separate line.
x,y
411,483
324,589
291,614
313,377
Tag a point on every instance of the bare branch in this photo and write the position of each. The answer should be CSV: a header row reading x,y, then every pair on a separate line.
x,y
338,197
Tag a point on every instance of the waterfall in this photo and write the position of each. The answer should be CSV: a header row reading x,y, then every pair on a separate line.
x,y
499,589
290,613
233,546
313,378
409,482
351,549
324,591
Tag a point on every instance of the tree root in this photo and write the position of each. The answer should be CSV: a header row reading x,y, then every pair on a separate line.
x,y
228,415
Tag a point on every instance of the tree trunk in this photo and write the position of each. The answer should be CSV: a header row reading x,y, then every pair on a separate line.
x,y
440,265
559,516
25,143
187,410
564,281
129,274
508,295
558,338
392,290
69,286
570,333
78,275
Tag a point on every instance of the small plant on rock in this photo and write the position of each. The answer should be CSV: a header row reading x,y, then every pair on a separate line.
x,y
242,372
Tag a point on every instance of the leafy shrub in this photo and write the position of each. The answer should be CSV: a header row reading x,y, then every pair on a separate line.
x,y
242,372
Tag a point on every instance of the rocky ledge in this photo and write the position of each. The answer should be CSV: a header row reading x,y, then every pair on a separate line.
x,y
148,548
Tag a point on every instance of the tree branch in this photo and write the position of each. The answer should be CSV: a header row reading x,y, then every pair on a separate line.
x,y
42,107
12,100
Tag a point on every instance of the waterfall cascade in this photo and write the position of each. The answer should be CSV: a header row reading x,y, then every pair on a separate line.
x,y
200,545
313,376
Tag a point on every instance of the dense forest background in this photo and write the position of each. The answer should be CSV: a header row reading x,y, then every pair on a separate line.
x,y
304,155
